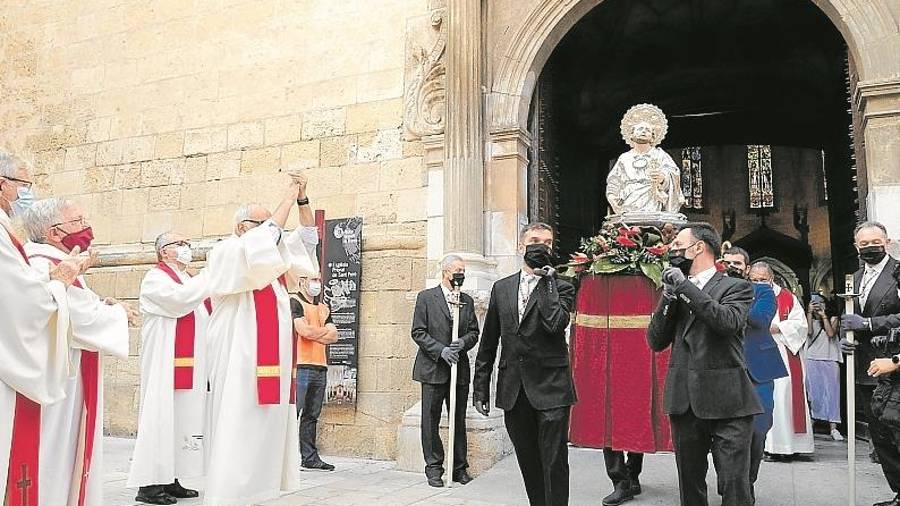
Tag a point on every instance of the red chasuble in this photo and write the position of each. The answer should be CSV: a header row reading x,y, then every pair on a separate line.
x,y
185,330
90,382
785,301
268,364
22,481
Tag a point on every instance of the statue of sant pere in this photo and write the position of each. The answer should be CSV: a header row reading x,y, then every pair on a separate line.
x,y
645,181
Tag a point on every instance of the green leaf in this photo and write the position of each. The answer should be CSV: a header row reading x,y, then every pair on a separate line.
x,y
604,266
652,271
652,239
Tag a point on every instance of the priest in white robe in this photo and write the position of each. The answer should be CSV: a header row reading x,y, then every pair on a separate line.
x,y
792,432
33,344
175,311
72,429
252,431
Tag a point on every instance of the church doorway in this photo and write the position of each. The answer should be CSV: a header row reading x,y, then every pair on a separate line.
x,y
757,97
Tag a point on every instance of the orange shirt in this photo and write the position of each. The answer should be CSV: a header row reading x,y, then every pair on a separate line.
x,y
310,352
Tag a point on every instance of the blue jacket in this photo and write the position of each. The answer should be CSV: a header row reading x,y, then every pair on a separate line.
x,y
764,361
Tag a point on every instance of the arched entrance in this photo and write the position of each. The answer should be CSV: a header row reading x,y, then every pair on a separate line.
x,y
559,29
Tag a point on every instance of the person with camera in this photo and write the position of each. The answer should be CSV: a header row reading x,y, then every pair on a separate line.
x,y
529,314
432,329
876,313
823,374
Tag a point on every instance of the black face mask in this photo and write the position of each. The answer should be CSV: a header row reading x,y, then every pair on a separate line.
x,y
872,255
537,256
679,261
457,279
734,272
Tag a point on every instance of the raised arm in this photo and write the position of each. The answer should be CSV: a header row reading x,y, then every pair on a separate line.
x,y
763,309
728,316
162,296
661,331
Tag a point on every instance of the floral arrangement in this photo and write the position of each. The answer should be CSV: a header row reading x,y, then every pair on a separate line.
x,y
618,248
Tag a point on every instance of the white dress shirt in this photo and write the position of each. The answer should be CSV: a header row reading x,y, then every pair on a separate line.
x,y
870,276
527,282
702,278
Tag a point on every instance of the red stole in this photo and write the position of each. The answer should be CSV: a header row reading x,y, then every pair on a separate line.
x,y
268,363
185,330
798,409
22,479
90,383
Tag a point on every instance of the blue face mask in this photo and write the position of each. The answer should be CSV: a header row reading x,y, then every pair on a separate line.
x,y
24,201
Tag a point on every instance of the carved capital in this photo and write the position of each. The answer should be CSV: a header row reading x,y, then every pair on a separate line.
x,y
425,91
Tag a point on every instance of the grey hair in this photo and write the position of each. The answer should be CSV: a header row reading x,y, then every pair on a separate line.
x,y
870,224
42,215
449,260
9,164
163,239
764,266
243,212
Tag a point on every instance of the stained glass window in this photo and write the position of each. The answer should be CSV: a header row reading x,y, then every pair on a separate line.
x,y
692,177
759,170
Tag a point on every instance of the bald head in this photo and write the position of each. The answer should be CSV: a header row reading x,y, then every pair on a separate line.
x,y
249,216
761,272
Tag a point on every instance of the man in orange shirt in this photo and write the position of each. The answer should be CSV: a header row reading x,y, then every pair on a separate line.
x,y
314,330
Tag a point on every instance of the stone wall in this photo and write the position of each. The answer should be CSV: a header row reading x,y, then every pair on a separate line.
x,y
168,114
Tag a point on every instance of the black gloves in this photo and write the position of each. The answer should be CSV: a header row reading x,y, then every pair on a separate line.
x,y
482,407
853,322
457,346
847,347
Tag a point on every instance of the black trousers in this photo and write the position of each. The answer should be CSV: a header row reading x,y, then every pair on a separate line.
x,y
619,468
540,438
433,397
887,446
729,441
311,382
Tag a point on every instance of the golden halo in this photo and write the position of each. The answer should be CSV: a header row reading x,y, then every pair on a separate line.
x,y
641,113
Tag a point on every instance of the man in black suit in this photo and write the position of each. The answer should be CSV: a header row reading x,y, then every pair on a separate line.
x,y
529,314
709,397
432,330
876,311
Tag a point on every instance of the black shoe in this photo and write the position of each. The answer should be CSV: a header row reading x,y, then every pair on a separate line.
x,y
636,487
462,477
620,495
318,466
177,491
154,494
771,457
893,502
802,457
437,482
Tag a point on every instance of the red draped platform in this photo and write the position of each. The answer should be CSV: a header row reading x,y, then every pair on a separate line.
x,y
619,380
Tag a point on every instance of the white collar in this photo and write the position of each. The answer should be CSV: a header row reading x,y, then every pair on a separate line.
x,y
526,276
37,248
879,266
444,289
704,276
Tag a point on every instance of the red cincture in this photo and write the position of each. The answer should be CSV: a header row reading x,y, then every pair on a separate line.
x,y
185,333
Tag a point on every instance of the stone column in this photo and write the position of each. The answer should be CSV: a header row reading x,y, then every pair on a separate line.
x,y
880,104
463,175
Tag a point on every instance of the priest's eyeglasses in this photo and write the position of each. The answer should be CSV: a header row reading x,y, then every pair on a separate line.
x,y
255,222
26,184
80,221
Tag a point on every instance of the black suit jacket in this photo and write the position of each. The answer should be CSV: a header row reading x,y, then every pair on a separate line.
x,y
707,369
534,353
432,330
883,308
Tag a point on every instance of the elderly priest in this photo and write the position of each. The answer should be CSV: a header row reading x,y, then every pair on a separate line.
x,y
252,439
175,311
72,429
33,343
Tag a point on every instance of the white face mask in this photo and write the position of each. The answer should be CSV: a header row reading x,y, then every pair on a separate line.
x,y
24,200
184,254
314,288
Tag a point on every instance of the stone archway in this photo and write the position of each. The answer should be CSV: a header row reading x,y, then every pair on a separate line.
x,y
867,26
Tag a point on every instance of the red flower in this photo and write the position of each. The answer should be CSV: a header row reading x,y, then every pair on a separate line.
x,y
629,232
579,258
625,241
720,266
658,250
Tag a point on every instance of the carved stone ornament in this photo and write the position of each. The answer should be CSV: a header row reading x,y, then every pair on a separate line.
x,y
425,92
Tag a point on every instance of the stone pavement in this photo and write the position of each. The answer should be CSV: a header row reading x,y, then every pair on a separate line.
x,y
821,482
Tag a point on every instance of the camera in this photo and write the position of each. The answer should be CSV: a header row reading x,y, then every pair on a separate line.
x,y
890,340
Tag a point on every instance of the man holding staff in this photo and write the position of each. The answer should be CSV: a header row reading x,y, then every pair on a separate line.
x,y
877,311
432,332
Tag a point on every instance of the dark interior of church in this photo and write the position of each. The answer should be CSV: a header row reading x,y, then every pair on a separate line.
x,y
728,74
